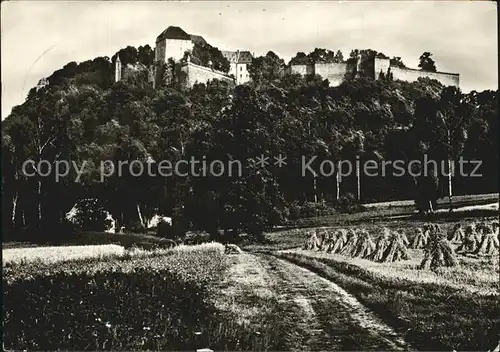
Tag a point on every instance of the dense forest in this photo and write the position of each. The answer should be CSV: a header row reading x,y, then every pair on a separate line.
x,y
83,116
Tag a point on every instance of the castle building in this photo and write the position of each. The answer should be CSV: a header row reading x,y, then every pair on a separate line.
x,y
174,42
239,64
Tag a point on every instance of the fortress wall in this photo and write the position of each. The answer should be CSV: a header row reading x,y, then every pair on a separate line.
x,y
411,75
200,74
381,65
334,72
302,69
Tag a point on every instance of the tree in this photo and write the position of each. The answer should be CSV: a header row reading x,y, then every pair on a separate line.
x,y
90,214
426,192
339,57
320,55
208,56
397,62
130,55
145,55
453,111
83,115
300,59
364,61
426,63
266,68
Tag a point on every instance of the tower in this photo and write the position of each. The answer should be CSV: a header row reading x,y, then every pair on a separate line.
x,y
358,66
118,69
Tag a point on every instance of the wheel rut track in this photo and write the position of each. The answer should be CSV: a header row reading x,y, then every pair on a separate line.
x,y
324,317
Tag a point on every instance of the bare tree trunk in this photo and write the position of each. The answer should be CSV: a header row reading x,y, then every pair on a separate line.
x,y
337,182
358,180
315,190
141,219
39,200
14,208
450,192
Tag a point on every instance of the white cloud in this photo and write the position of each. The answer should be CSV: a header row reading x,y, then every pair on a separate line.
x,y
461,35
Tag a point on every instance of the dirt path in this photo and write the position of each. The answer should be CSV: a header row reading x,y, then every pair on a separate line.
x,y
318,314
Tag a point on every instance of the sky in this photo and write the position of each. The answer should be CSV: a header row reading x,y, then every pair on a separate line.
x,y
39,37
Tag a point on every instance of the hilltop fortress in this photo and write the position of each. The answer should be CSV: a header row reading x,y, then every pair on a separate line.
x,y
173,43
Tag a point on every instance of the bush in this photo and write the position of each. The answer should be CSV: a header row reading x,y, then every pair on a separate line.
x,y
163,229
90,215
309,209
137,227
349,204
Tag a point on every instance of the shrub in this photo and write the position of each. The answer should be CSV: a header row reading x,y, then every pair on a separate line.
x,y
349,204
90,215
137,227
309,209
164,230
